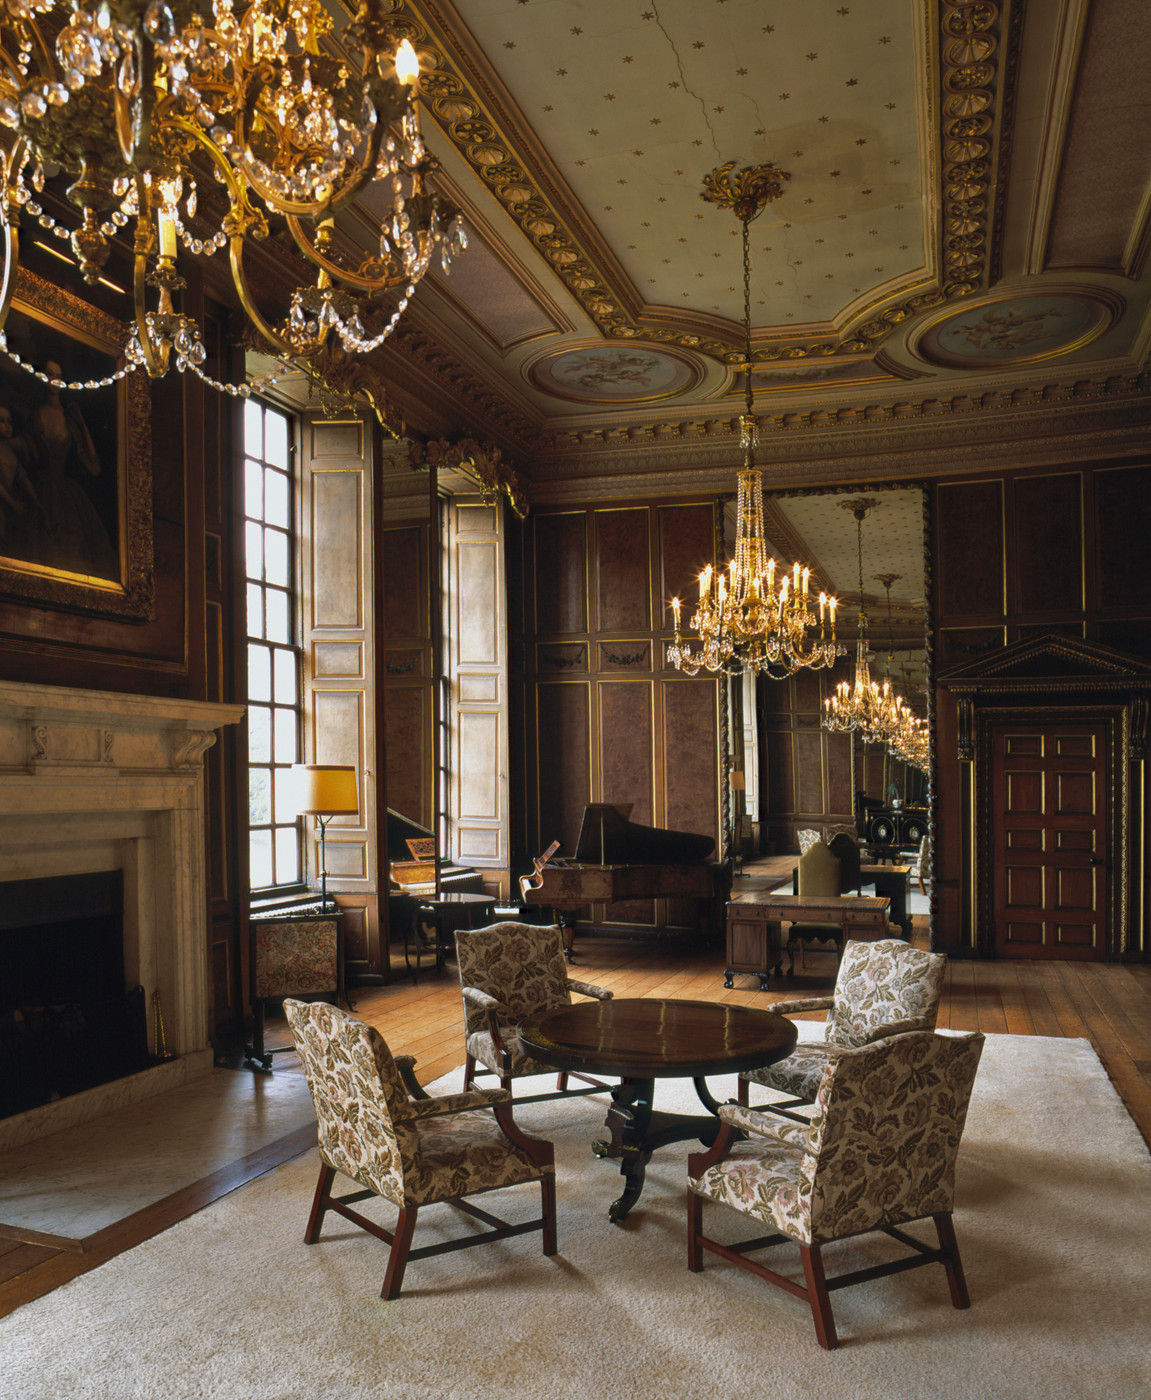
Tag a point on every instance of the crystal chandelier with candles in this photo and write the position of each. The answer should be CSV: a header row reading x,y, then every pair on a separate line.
x,y
747,619
861,706
157,109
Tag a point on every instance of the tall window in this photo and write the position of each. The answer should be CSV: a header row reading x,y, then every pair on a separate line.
x,y
273,655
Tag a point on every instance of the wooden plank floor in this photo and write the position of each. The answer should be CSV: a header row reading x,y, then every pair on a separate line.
x,y
1106,1004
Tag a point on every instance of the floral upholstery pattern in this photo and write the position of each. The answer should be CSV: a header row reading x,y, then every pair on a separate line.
x,y
294,957
880,1149
882,989
410,1151
807,838
512,971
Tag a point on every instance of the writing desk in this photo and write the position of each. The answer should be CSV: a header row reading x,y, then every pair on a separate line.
x,y
755,919
645,1039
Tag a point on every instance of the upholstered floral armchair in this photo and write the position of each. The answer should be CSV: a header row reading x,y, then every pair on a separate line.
x,y
879,1152
378,1127
881,989
511,973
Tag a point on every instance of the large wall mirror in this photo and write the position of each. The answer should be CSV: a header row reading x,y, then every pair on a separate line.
x,y
800,775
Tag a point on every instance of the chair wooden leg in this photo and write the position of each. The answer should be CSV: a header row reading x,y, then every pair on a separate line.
x,y
469,1073
319,1203
694,1230
398,1258
956,1282
743,1092
548,1195
562,1080
818,1296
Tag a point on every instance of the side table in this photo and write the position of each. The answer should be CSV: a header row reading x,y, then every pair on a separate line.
x,y
444,916
293,953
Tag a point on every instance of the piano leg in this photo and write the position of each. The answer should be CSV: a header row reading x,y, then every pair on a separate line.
x,y
567,932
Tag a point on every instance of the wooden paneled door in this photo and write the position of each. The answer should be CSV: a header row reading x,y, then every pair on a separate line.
x,y
1050,841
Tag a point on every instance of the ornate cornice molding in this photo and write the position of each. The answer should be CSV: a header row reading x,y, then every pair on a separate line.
x,y
478,119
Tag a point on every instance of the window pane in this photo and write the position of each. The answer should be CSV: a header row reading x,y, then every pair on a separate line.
x,y
259,673
286,796
253,428
260,857
285,736
287,855
253,490
276,499
275,558
255,610
259,735
259,796
276,440
285,665
254,550
276,605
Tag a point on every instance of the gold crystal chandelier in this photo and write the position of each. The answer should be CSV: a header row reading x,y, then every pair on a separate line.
x,y
157,109
862,706
746,618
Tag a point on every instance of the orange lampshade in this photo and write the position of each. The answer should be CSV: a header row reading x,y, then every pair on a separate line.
x,y
327,790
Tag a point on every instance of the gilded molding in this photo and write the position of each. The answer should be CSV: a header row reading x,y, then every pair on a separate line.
x,y
460,96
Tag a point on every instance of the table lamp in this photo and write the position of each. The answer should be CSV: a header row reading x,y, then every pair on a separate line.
x,y
325,791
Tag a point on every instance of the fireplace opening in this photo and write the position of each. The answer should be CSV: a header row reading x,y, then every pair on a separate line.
x,y
67,1021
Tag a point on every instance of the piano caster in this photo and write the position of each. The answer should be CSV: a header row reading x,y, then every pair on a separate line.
x,y
728,975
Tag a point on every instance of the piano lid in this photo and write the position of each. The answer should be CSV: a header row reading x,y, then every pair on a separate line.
x,y
608,837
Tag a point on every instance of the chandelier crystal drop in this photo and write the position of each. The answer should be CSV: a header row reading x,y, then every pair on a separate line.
x,y
748,619
161,110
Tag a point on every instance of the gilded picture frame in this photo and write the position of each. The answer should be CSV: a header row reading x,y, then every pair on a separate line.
x,y
75,465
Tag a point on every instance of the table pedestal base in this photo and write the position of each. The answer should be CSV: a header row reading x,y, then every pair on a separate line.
x,y
637,1130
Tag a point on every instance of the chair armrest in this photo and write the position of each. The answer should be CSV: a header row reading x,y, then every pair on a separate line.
x,y
459,1103
481,999
785,1008
406,1064
763,1123
920,1023
589,989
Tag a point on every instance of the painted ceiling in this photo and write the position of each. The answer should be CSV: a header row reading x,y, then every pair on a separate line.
x,y
963,234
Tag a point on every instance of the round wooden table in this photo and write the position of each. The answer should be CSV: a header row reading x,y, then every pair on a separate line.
x,y
645,1039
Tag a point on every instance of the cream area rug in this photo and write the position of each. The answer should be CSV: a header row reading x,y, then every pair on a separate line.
x,y
1052,1218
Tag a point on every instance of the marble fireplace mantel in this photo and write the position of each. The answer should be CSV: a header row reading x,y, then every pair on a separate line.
x,y
95,780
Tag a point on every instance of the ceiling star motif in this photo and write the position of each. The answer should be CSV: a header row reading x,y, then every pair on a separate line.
x,y
851,125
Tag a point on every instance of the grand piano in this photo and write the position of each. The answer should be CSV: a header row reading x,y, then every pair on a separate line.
x,y
617,859
412,880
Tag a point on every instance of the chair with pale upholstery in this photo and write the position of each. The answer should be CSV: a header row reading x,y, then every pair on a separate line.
x,y
807,838
378,1127
881,989
879,1153
511,973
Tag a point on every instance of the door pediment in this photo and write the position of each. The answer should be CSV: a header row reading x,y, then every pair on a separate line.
x,y
1051,662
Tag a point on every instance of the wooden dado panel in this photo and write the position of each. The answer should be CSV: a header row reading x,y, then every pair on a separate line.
x,y
562,760
561,574
686,545
1048,537
404,561
408,740
690,757
625,729
1122,517
337,548
969,549
623,585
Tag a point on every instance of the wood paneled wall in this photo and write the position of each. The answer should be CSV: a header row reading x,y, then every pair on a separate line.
x,y
1016,556
338,605
606,719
